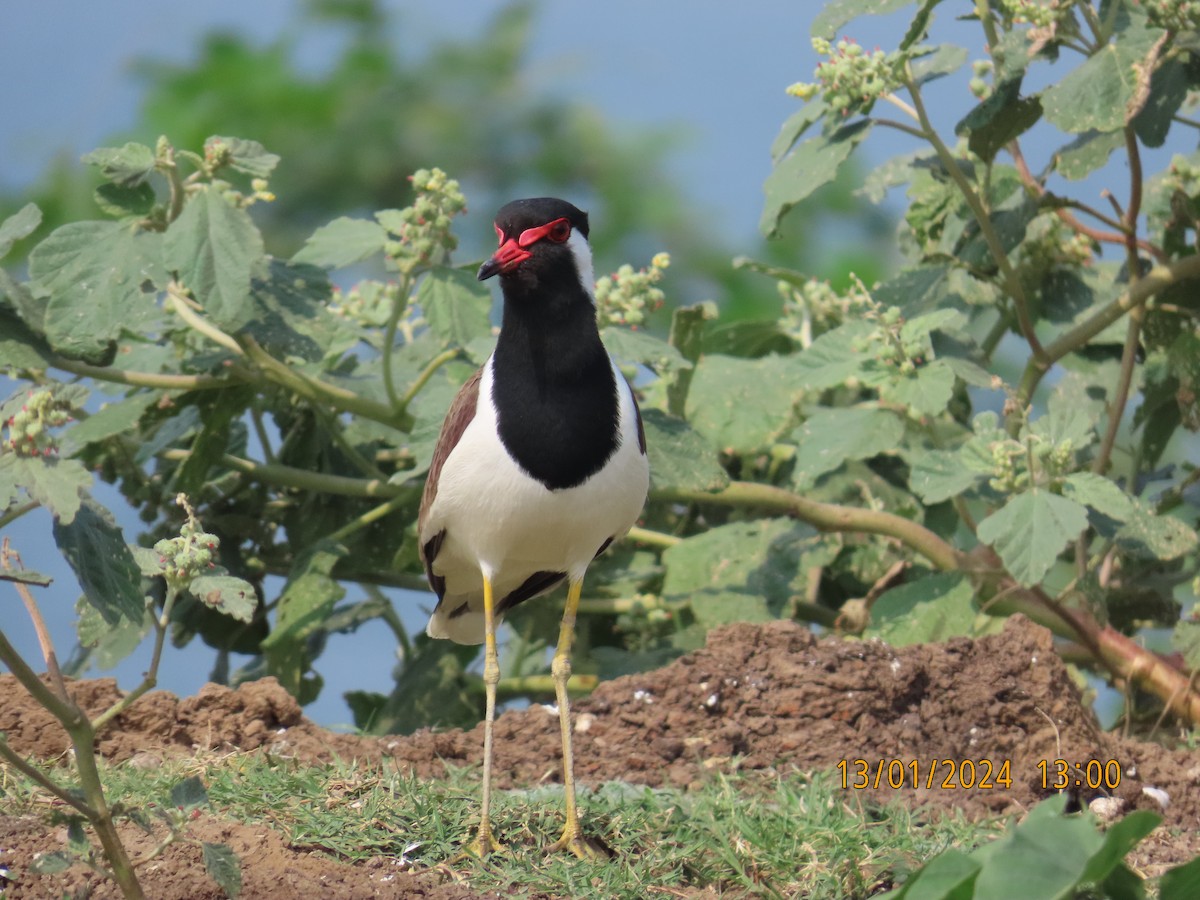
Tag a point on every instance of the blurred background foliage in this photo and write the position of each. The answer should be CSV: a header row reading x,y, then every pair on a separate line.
x,y
352,130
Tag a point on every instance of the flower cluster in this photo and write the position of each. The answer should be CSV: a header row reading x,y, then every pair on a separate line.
x,y
422,231
851,79
981,69
368,303
185,557
815,307
1049,244
891,345
1173,15
1038,13
29,427
1011,461
625,297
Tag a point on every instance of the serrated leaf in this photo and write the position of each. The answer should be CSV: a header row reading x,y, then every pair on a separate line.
x,y
116,417
308,600
1096,95
1069,417
741,572
96,551
249,156
1031,530
1086,153
343,242
927,391
795,125
809,166
19,225
837,13
1002,117
121,200
223,867
107,644
1149,535
831,359
232,596
939,475
680,457
216,249
127,165
189,793
1099,493
292,320
56,483
829,437
101,278
456,305
934,608
726,402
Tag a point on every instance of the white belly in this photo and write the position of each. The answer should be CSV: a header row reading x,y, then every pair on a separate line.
x,y
502,522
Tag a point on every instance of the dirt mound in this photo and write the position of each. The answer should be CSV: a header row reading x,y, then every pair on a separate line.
x,y
757,697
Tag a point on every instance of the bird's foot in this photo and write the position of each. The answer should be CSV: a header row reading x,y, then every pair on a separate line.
x,y
483,846
573,841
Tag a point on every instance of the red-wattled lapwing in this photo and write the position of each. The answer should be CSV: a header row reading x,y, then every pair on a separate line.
x,y
540,465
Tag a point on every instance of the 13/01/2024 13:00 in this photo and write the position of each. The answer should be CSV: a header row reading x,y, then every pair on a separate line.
x,y
982,774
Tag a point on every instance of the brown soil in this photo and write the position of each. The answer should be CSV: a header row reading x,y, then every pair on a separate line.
x,y
758,697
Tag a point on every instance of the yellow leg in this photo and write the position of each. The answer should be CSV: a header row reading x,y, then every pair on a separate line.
x,y
485,842
572,838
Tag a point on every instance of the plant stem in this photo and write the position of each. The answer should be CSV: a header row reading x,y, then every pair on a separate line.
x,y
389,341
304,479
655,539
1012,282
423,378
36,775
369,517
828,517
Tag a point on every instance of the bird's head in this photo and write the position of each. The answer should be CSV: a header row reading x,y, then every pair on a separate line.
x,y
543,246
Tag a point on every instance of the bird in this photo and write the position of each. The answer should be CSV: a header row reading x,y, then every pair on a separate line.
x,y
539,466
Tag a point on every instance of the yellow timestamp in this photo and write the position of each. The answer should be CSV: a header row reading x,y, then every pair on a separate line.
x,y
931,774
1093,774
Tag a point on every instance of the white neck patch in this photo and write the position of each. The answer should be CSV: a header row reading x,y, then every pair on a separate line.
x,y
582,253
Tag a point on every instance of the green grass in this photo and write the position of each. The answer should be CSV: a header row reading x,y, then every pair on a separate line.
x,y
743,835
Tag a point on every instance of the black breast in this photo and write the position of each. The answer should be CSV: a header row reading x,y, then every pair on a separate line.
x,y
558,411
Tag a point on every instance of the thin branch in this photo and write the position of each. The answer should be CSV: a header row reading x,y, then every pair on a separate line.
x,y
423,378
655,539
7,557
9,755
302,479
1012,282
182,304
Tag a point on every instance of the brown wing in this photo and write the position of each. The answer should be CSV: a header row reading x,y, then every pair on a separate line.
x,y
460,415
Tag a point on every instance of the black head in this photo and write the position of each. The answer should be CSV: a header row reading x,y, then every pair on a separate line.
x,y
542,241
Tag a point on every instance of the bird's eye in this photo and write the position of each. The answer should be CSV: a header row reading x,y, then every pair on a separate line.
x,y
559,231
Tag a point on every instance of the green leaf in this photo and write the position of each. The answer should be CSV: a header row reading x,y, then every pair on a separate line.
x,y
927,391
934,608
216,249
1046,855
837,13
1086,153
1096,95
919,27
189,793
52,863
814,163
1151,536
292,320
343,242
939,475
102,277
1186,640
1181,882
96,551
1099,493
107,644
741,572
727,404
680,457
1119,839
223,867
1031,530
227,594
456,305
117,417
1168,89
795,125
829,437
19,225
308,600
249,156
121,201
831,359
948,876
57,484
127,166
937,62
1002,117
642,348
